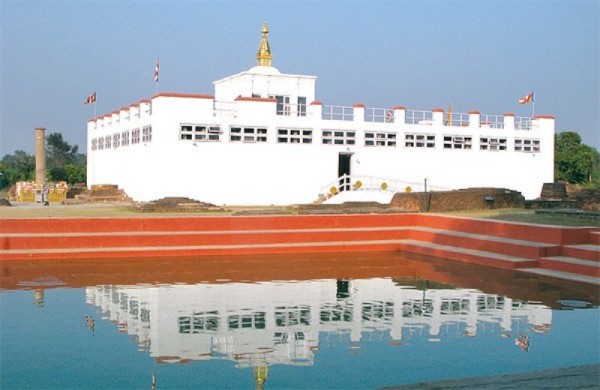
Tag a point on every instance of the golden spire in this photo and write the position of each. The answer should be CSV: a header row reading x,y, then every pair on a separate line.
x,y
264,57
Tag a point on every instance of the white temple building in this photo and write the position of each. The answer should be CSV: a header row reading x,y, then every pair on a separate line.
x,y
263,138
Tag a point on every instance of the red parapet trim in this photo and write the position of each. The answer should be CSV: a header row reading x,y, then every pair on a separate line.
x,y
92,120
437,110
474,112
116,112
134,105
316,103
543,116
183,95
255,99
359,105
399,108
124,109
509,114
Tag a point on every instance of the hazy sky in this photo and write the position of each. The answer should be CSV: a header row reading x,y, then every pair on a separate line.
x,y
481,55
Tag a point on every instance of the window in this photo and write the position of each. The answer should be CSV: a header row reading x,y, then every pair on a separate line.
x,y
294,136
135,136
527,145
492,144
101,143
207,321
116,140
147,134
248,134
377,138
201,133
339,137
256,320
283,104
94,144
419,141
292,315
125,138
457,142
107,143
301,106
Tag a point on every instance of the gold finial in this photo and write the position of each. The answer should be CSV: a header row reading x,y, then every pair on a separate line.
x,y
264,57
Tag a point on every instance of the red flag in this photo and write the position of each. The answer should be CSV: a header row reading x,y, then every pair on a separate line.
x,y
156,70
90,99
526,99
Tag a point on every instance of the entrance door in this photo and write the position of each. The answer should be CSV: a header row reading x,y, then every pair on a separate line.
x,y
344,169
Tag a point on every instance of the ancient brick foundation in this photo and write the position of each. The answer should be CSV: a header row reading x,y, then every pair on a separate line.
x,y
465,199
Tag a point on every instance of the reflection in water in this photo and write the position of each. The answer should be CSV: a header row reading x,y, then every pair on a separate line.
x,y
261,324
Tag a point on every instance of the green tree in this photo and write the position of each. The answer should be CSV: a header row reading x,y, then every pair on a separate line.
x,y
574,162
19,166
59,152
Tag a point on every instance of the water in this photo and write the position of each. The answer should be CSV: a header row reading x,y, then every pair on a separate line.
x,y
331,321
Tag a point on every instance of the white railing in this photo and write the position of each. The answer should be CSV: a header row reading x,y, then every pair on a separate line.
x,y
522,123
456,119
379,115
338,113
371,183
418,117
492,121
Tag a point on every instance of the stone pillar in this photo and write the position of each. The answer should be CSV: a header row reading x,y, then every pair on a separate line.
x,y
40,156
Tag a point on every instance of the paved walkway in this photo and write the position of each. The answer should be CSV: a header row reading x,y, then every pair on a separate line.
x,y
579,377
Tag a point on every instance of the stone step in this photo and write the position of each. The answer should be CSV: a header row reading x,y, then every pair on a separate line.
x,y
571,265
562,275
195,238
582,251
507,246
467,255
200,250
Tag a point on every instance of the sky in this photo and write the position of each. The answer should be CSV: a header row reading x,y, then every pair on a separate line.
x,y
475,55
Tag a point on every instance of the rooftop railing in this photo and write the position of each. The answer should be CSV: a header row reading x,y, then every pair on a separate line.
x,y
338,113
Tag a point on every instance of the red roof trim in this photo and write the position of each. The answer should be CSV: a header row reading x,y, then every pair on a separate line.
x,y
509,114
144,101
399,108
183,95
316,103
134,105
437,110
544,117
474,112
359,105
255,99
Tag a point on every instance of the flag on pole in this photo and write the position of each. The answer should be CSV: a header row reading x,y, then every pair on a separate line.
x,y
156,68
527,99
90,99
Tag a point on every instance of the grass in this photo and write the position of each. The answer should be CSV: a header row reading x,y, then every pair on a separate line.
x,y
123,210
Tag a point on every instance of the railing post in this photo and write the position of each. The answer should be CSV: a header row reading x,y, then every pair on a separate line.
x,y
438,116
474,118
400,114
315,109
509,121
359,112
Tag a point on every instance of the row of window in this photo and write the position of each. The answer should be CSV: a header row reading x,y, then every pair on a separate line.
x,y
124,138
213,133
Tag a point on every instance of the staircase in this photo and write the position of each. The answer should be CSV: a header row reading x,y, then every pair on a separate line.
x,y
558,252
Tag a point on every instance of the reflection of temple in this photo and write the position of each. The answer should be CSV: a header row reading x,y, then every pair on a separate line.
x,y
260,324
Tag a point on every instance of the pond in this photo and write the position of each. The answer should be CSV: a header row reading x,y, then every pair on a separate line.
x,y
321,321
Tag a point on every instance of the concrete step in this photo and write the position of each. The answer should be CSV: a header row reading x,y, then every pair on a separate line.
x,y
562,275
571,265
507,246
497,260
195,238
200,250
583,251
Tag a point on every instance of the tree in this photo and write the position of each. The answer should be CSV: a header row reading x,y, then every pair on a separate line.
x,y
59,152
574,162
17,167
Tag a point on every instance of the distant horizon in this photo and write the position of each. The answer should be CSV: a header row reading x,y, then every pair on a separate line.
x,y
479,55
